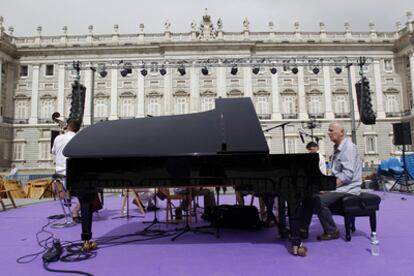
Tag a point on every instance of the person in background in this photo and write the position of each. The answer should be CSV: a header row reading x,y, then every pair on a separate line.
x,y
313,147
59,144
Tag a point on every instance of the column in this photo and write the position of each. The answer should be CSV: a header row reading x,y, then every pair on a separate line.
x,y
168,92
247,82
302,97
35,94
378,90
221,81
61,91
353,81
328,93
275,98
87,108
140,96
194,90
1,92
412,78
114,94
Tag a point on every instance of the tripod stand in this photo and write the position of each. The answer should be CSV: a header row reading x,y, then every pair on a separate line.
x,y
187,227
155,220
404,174
126,200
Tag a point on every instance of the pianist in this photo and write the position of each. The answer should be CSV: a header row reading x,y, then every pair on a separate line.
x,y
60,160
346,167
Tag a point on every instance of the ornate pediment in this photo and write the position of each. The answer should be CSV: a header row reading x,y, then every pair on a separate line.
x,y
206,30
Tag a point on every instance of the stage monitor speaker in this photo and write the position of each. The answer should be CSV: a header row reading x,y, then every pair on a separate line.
x,y
402,134
53,135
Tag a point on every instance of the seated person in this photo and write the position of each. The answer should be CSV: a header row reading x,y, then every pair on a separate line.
x,y
147,198
209,200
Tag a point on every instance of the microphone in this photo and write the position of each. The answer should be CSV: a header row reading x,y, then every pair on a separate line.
x,y
301,137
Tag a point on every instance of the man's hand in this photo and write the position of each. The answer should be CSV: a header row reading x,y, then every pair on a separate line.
x,y
338,182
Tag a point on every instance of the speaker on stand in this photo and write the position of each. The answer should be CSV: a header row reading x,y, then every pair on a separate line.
x,y
402,137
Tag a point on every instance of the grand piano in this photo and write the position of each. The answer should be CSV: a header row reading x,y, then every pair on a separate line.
x,y
223,146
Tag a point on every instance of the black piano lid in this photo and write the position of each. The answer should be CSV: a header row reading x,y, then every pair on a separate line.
x,y
232,127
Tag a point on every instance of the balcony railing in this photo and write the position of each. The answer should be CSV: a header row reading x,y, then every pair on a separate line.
x,y
290,116
342,115
264,116
316,115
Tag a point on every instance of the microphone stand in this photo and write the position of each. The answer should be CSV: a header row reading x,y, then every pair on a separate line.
x,y
155,220
283,133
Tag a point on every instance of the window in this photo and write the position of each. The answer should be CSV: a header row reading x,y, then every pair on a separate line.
x,y
289,104
388,65
18,151
127,107
100,109
208,83
314,81
154,107
234,82
290,144
181,105
341,104
44,151
154,84
339,81
49,70
314,104
207,103
287,81
262,105
181,83
24,71
365,68
21,111
370,144
391,103
261,82
47,109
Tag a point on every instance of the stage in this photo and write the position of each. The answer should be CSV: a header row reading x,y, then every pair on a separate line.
x,y
236,252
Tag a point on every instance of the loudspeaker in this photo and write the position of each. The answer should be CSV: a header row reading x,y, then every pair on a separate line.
x,y
402,134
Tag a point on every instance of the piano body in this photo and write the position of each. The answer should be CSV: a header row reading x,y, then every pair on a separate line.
x,y
223,146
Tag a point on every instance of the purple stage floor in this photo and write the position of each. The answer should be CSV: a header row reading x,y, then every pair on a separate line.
x,y
236,252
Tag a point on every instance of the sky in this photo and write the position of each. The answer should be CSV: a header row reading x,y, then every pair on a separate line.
x,y
77,15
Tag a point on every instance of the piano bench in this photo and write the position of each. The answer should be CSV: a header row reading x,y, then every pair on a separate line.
x,y
363,205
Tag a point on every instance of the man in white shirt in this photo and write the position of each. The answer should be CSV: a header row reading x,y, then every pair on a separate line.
x,y
60,160
313,147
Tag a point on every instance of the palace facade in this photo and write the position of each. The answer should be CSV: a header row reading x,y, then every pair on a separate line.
x,y
35,81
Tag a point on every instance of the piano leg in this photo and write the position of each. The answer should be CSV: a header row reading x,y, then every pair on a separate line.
x,y
86,215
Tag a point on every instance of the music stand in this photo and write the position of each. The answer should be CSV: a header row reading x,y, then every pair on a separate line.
x,y
127,215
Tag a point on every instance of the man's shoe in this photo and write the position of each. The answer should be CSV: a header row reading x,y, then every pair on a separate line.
x,y
178,214
77,219
329,236
304,234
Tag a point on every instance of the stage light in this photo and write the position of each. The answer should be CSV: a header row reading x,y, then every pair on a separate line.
x,y
233,70
126,70
295,70
315,70
103,73
204,71
181,70
144,72
338,70
273,70
163,71
255,70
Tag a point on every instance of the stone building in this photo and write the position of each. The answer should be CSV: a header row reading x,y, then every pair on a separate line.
x,y
36,80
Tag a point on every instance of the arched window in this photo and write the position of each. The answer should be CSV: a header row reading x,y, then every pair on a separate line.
x,y
207,100
127,101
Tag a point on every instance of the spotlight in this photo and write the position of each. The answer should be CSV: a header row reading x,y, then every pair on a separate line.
x,y
233,70
144,72
338,70
181,70
204,71
163,71
273,70
315,70
126,70
256,70
103,73
295,70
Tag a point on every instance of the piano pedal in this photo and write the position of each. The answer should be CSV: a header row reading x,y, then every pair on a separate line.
x,y
88,246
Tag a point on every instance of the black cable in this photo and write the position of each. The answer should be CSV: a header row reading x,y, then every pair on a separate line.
x,y
46,266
